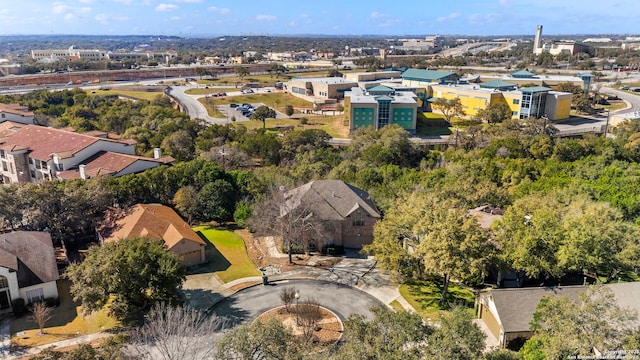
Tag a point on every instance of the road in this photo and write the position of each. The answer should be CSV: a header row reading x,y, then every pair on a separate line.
x,y
246,305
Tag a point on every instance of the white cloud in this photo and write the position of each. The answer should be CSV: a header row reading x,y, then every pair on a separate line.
x,y
451,16
377,15
86,1
222,11
189,1
70,12
166,7
125,2
265,17
107,18
483,19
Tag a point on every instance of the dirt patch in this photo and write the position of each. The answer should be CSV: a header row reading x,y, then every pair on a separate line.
x,y
328,331
243,285
258,251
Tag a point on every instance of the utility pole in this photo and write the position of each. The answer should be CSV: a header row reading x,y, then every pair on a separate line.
x,y
606,126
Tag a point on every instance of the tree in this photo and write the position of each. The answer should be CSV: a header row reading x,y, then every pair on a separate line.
x,y
308,314
241,71
132,274
277,68
288,110
217,200
582,104
176,333
263,113
186,203
287,295
390,335
421,232
565,327
41,313
456,338
258,340
494,113
449,107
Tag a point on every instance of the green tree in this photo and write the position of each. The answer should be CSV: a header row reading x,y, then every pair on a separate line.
x,y
288,110
185,201
449,107
457,337
263,113
241,71
390,335
258,340
565,327
217,199
133,273
494,113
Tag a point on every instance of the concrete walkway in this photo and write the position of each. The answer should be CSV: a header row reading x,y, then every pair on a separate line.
x,y
17,354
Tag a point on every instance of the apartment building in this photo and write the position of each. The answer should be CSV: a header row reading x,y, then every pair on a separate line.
x,y
16,113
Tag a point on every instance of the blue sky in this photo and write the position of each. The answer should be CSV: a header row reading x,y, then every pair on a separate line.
x,y
383,17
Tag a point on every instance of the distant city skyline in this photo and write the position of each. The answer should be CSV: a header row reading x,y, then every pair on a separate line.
x,y
329,17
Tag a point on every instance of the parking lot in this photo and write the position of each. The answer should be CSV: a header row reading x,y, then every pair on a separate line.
x,y
230,112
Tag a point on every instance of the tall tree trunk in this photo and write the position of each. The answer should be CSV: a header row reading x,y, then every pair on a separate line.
x,y
290,252
445,288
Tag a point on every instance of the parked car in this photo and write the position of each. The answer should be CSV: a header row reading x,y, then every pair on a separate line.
x,y
636,89
624,88
233,105
247,91
222,94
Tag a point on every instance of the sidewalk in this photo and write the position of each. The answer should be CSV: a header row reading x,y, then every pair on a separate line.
x,y
56,345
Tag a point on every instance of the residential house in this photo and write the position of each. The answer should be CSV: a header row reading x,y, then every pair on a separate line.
x,y
31,153
508,312
28,268
16,113
346,213
156,222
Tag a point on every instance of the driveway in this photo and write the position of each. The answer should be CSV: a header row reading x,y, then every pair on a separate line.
x,y
246,305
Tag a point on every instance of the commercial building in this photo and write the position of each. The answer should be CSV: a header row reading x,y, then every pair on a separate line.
x,y
96,55
534,101
527,78
380,106
556,47
323,88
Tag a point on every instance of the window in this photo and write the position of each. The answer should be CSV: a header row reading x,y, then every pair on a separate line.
x,y
358,219
35,295
4,283
516,101
2,154
30,161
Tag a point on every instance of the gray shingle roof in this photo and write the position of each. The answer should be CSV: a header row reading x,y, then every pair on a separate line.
x,y
331,199
31,254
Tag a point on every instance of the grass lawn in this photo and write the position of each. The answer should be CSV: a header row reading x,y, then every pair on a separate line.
x,y
268,99
424,296
228,255
209,104
66,322
395,305
333,125
142,95
203,91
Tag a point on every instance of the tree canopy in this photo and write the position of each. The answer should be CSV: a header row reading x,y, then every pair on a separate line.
x,y
130,275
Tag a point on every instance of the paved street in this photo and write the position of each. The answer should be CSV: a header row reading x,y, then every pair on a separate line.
x,y
246,305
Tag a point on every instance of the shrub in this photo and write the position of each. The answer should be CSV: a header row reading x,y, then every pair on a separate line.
x,y
19,307
52,301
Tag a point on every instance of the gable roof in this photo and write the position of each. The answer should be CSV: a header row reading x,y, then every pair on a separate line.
x,y
109,163
15,109
331,199
45,141
517,306
533,89
426,75
153,221
31,255
380,88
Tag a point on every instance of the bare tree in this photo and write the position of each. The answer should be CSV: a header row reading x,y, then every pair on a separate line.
x,y
282,214
176,333
309,314
41,314
287,295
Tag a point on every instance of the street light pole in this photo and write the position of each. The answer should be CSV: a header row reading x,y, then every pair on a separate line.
x,y
297,296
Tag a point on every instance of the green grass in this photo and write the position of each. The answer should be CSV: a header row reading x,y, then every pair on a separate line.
x,y
203,91
396,306
331,124
142,95
268,99
66,322
209,104
424,296
228,255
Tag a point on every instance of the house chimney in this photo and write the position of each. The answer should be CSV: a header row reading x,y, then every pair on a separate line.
x,y
82,169
157,153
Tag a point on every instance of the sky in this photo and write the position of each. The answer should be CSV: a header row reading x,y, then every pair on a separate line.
x,y
330,17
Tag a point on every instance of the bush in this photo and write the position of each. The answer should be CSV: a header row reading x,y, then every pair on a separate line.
x,y
52,302
19,307
304,120
333,250
295,249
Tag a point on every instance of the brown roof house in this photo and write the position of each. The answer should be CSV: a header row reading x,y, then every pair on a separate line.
x,y
347,213
508,312
155,221
28,268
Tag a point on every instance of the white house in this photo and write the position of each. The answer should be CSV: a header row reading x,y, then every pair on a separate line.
x,y
28,268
